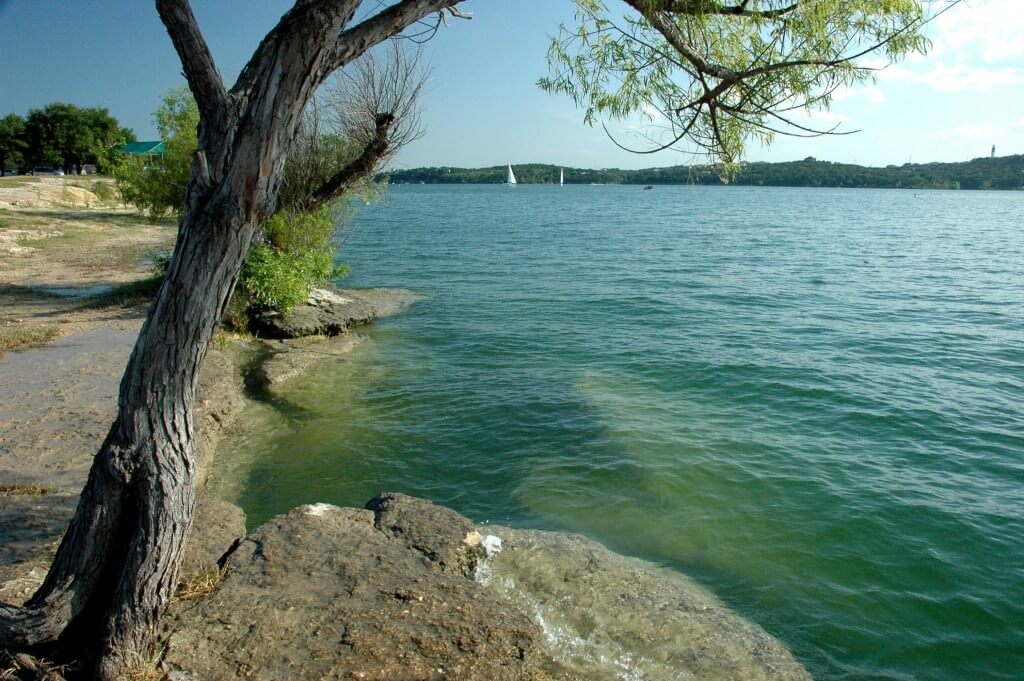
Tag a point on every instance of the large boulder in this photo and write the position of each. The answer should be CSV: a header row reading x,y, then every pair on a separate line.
x,y
405,590
330,312
331,593
440,534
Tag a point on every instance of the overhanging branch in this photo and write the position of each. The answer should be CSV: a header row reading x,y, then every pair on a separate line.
x,y
386,23
737,10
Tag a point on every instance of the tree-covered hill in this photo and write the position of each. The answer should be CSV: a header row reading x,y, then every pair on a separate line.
x,y
1002,172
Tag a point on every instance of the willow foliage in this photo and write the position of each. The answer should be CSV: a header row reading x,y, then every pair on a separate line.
x,y
714,74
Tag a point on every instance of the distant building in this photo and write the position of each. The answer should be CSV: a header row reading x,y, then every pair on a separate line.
x,y
993,151
148,149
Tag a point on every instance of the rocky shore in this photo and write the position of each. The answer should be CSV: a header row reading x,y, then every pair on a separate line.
x,y
402,589
405,589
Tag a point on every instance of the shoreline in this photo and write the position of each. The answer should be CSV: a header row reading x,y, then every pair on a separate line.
x,y
514,600
401,589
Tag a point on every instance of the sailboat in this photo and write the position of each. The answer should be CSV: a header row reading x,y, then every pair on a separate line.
x,y
511,181
561,176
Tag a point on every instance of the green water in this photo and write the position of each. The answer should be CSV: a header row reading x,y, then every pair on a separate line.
x,y
809,400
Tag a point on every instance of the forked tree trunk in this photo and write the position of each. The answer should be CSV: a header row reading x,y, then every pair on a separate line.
x,y
116,569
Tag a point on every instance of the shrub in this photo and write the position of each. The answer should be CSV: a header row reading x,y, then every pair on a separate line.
x,y
157,186
104,191
295,255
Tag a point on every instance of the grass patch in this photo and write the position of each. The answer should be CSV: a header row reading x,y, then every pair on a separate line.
x,y
200,585
29,490
142,667
18,181
15,666
104,188
20,220
19,292
78,248
15,337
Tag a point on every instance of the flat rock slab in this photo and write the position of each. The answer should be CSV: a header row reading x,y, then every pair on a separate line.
x,y
31,527
331,593
217,527
290,358
330,312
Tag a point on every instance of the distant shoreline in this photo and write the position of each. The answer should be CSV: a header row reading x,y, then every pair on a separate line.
x,y
994,173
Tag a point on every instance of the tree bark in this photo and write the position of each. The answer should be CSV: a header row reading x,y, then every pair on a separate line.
x,y
116,568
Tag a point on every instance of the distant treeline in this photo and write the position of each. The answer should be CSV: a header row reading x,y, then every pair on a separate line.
x,y
1003,172
61,135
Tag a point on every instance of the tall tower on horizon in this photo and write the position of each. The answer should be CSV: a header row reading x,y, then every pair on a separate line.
x,y
993,151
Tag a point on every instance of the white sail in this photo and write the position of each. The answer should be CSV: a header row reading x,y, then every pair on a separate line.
x,y
561,176
511,176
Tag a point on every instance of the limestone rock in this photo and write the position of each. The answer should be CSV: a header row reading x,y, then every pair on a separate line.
x,y
323,593
31,527
220,398
329,312
217,526
439,533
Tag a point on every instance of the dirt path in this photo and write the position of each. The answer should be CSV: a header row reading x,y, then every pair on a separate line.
x,y
59,244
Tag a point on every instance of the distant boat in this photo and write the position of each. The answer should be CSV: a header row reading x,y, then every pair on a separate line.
x,y
561,176
650,186
511,181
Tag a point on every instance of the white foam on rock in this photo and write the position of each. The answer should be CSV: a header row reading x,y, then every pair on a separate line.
x,y
491,544
318,509
321,296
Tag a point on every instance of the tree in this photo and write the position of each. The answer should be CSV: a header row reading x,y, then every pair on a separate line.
x,y
116,567
157,187
295,250
12,141
66,136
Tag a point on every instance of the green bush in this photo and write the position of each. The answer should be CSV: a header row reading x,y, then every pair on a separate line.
x,y
156,186
294,256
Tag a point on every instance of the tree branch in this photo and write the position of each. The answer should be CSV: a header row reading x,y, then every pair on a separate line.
x,y
386,23
200,70
362,166
712,7
664,25
341,12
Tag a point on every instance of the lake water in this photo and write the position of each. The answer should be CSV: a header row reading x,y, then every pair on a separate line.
x,y
810,400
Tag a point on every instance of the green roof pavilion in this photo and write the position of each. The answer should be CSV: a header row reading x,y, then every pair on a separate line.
x,y
155,148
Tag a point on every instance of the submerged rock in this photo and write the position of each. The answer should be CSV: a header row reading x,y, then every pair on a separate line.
x,y
607,617
290,358
329,312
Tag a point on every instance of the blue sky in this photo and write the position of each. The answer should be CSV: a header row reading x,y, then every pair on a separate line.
x,y
483,106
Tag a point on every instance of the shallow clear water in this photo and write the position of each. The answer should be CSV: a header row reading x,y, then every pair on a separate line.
x,y
808,399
